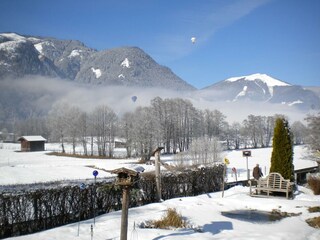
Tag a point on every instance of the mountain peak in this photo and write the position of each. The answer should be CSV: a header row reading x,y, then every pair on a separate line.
x,y
269,81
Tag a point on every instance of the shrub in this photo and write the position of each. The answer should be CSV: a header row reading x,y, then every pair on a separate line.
x,y
314,183
282,152
314,222
314,209
171,219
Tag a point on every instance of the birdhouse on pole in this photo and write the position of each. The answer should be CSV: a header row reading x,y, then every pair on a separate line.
x,y
126,178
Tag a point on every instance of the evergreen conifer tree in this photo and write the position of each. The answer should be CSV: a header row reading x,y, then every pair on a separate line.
x,y
282,153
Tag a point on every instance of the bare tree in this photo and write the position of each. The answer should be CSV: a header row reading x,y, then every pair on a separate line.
x,y
314,131
143,125
300,132
83,131
104,124
233,136
258,130
176,121
58,123
73,117
203,151
127,132
215,124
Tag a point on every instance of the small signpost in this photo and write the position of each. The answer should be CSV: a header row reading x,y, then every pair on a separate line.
x,y
247,153
226,162
91,228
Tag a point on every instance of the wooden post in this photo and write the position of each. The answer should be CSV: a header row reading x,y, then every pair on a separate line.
x,y
126,178
124,213
225,163
156,154
158,175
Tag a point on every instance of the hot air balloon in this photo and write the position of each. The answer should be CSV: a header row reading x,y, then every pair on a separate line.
x,y
193,40
134,98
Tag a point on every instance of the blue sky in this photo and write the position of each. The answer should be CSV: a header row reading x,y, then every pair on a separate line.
x,y
280,38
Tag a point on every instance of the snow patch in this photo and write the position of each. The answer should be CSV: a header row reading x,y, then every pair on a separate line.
x,y
13,36
121,76
295,102
270,81
97,72
39,47
33,39
126,63
242,93
75,53
10,46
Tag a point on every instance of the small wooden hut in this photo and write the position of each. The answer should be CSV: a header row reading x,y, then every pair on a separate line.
x,y
32,143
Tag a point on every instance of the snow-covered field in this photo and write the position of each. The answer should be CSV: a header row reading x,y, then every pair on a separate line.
x,y
203,212
35,167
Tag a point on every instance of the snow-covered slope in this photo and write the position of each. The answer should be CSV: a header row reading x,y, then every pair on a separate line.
x,y
203,213
262,88
270,81
72,60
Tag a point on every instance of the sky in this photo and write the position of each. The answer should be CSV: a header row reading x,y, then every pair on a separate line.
x,y
233,38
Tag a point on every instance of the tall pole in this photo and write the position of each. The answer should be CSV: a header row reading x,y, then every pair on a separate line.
x,y
224,175
248,174
124,214
158,176
95,174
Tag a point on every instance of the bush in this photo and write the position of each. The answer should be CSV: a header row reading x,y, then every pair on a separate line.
x,y
282,152
314,183
172,219
314,209
314,222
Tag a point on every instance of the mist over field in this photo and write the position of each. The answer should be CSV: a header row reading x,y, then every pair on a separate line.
x,y
37,95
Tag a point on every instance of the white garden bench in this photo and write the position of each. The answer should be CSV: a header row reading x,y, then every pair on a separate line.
x,y
274,182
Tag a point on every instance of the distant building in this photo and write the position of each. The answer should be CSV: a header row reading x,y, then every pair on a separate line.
x,y
119,143
32,143
7,137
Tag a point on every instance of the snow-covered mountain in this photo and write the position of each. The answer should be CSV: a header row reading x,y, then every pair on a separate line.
x,y
262,88
72,60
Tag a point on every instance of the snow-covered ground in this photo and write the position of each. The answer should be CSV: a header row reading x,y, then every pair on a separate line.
x,y
35,167
202,212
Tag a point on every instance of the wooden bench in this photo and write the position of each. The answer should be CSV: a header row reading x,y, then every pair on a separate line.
x,y
274,182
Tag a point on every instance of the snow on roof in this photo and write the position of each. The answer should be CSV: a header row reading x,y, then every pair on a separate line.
x,y
32,138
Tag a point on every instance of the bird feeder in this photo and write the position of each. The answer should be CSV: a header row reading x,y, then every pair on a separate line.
x,y
126,177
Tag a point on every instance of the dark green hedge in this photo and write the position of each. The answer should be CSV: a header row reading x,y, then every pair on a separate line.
x,y
39,209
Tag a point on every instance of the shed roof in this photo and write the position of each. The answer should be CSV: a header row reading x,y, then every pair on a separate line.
x,y
32,138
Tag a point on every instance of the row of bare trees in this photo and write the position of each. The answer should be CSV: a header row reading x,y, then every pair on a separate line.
x,y
171,123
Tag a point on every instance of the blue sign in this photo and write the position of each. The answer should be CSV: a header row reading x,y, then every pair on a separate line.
x,y
82,186
95,173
